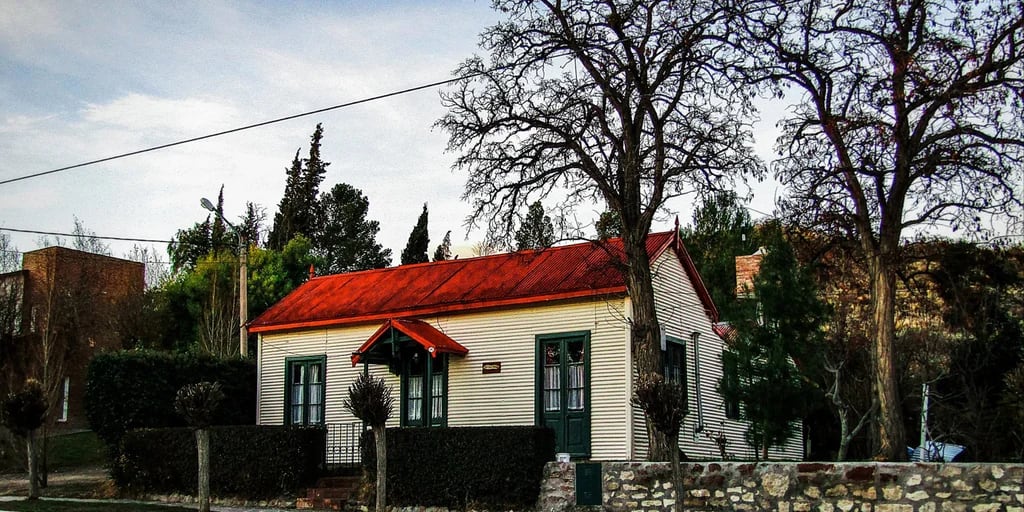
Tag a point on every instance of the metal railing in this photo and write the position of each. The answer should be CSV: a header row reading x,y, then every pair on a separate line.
x,y
343,444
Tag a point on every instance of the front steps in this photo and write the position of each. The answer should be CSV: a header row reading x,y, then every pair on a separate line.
x,y
330,493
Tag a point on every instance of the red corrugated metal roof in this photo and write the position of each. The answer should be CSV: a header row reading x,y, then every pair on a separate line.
x,y
525,277
435,341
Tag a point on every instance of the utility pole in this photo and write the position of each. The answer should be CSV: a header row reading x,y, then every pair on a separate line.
x,y
243,280
243,294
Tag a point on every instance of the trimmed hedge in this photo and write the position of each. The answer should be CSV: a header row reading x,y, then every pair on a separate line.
x,y
460,467
251,461
127,390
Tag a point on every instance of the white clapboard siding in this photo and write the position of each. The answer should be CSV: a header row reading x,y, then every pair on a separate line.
x,y
336,344
507,336
681,313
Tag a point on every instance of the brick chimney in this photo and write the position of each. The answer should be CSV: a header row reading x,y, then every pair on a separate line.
x,y
747,268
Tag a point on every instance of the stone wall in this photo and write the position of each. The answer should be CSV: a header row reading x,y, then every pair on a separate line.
x,y
799,487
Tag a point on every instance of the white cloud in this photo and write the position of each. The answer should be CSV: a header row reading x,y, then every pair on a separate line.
x,y
22,23
149,114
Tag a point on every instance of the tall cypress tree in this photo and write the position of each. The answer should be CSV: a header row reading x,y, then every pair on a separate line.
x,y
419,240
219,240
284,220
309,185
297,211
536,232
444,251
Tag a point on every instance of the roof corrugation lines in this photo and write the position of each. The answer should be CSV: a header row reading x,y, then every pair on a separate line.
x,y
523,277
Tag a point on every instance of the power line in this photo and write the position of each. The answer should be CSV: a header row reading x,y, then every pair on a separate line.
x,y
80,235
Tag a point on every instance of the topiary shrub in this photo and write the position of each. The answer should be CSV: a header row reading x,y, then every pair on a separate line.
x,y
23,413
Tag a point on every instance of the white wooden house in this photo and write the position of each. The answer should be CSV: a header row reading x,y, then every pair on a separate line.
x,y
527,338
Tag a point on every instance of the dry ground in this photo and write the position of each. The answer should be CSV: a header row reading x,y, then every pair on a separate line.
x,y
88,482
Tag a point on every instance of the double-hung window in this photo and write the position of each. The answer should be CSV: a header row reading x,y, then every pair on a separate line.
x,y
674,358
304,377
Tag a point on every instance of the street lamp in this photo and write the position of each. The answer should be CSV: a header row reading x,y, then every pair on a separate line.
x,y
243,280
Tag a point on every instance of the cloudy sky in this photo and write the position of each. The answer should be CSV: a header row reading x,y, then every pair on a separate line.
x,y
86,80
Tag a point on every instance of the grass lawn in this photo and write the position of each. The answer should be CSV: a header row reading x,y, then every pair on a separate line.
x,y
76,450
81,449
48,505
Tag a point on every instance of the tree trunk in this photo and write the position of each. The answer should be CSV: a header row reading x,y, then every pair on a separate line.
x,y
677,474
203,452
891,432
645,333
33,467
43,463
844,435
379,440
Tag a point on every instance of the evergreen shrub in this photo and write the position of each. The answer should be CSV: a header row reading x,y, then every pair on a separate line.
x,y
464,467
250,461
127,390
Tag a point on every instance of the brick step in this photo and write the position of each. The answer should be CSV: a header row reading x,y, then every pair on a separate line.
x,y
330,493
320,504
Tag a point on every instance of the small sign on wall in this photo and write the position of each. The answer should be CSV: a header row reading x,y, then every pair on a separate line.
x,y
491,367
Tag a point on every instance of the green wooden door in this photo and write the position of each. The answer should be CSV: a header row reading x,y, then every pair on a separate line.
x,y
563,385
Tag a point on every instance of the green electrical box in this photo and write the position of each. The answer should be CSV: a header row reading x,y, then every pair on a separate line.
x,y
588,483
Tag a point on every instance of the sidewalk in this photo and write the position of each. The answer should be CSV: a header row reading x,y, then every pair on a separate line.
x,y
92,485
213,508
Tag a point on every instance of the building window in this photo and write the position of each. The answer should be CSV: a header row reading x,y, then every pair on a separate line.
x,y
65,400
424,389
674,357
304,399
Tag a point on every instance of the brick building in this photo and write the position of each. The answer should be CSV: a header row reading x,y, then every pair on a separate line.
x,y
63,307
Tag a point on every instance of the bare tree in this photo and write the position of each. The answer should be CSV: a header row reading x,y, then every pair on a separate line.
x,y
909,116
217,329
157,272
845,411
10,257
600,101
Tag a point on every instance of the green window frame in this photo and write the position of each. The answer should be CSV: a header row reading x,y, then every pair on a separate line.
x,y
674,359
424,393
305,390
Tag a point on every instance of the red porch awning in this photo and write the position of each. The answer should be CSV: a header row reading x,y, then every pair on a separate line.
x,y
433,340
